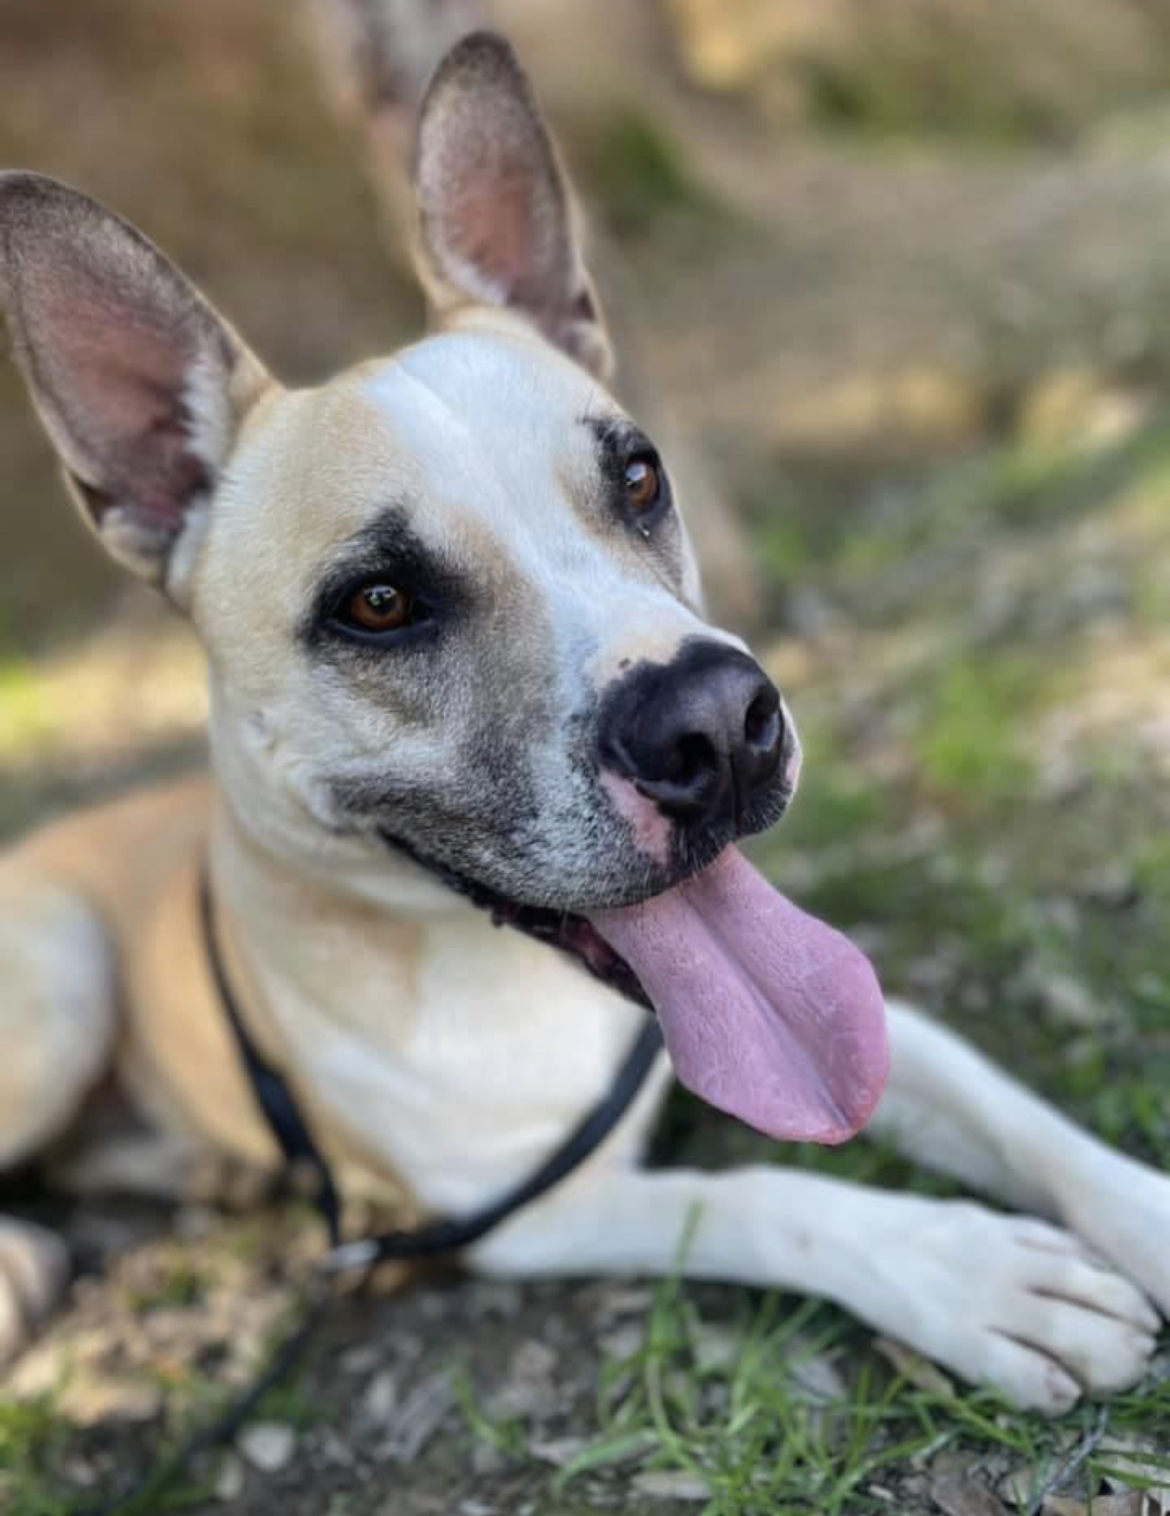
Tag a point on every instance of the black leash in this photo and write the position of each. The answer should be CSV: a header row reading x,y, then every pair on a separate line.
x,y
292,1134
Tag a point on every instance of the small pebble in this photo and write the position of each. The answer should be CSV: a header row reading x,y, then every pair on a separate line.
x,y
487,1459
379,1401
267,1445
666,1484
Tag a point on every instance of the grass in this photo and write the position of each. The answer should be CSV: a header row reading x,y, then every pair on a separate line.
x,y
32,1434
929,71
40,1444
746,1422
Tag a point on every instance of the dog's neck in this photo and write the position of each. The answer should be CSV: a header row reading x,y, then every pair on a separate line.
x,y
376,1001
294,923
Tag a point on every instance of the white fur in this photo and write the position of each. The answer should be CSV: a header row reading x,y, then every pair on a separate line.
x,y
34,1265
58,1036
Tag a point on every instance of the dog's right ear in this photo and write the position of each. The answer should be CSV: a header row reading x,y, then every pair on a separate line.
x,y
139,383
496,220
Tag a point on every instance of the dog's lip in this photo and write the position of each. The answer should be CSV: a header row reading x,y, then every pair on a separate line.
x,y
570,930
566,930
551,922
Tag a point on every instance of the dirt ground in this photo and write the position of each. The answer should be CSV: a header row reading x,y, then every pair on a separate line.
x,y
929,374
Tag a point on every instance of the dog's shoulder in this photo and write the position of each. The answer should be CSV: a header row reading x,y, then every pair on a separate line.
x,y
104,848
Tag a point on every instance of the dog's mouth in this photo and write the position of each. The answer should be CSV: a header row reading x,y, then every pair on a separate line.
x,y
767,1013
572,934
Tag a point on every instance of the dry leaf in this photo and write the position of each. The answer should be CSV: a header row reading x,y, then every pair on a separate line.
x,y
559,1451
816,1379
1130,1456
1103,1505
957,1493
920,1372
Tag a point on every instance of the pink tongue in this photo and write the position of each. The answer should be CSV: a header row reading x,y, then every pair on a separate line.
x,y
768,1013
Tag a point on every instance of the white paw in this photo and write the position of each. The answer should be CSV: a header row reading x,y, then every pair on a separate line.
x,y
34,1266
1009,1302
1122,1209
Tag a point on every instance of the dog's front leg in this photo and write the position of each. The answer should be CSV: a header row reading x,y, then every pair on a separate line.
x,y
1002,1300
57,1020
951,1109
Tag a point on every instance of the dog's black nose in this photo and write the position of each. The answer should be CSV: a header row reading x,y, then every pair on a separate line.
x,y
702,735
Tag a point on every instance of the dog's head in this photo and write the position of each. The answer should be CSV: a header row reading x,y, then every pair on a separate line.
x,y
448,599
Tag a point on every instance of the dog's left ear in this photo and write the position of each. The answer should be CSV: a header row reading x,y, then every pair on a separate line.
x,y
497,224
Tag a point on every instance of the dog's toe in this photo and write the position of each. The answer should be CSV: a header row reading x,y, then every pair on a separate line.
x,y
1103,1354
1091,1283
1068,1321
1028,1378
34,1266
1020,1306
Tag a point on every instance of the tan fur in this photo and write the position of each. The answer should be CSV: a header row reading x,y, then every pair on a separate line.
x,y
137,862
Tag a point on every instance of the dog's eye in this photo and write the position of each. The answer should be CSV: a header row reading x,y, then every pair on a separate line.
x,y
378,613
377,608
643,484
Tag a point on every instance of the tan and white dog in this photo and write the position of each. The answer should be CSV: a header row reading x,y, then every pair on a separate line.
x,y
457,659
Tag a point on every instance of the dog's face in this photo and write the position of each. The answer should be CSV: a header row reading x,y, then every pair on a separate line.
x,y
448,599
436,594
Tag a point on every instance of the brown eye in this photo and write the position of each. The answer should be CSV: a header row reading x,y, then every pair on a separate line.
x,y
643,485
378,608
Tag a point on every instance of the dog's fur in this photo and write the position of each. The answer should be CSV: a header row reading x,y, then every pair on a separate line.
x,y
434,1054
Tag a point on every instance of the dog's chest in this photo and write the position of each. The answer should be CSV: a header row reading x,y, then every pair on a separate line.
x,y
460,1071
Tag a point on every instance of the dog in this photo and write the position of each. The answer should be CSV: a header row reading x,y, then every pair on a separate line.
x,y
458,659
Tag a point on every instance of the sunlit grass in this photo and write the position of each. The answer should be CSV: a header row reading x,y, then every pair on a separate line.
x,y
727,1400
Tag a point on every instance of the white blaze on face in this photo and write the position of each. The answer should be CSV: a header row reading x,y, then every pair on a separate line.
x,y
507,458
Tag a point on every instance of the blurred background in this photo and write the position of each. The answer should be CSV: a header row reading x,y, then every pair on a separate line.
x,y
899,272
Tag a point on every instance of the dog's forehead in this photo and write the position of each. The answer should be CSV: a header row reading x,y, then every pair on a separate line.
x,y
475,398
462,430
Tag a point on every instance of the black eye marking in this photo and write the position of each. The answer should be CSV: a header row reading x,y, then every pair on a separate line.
x,y
637,481
386,589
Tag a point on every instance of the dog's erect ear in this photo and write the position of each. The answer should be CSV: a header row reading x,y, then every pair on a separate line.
x,y
496,218
140,385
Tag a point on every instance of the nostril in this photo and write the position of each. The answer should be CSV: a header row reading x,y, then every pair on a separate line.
x,y
762,724
694,757
685,778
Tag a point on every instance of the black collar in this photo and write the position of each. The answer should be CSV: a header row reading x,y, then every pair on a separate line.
x,y
279,1108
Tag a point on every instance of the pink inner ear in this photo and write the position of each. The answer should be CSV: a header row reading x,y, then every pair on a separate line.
x,y
493,203
115,374
493,228
496,219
